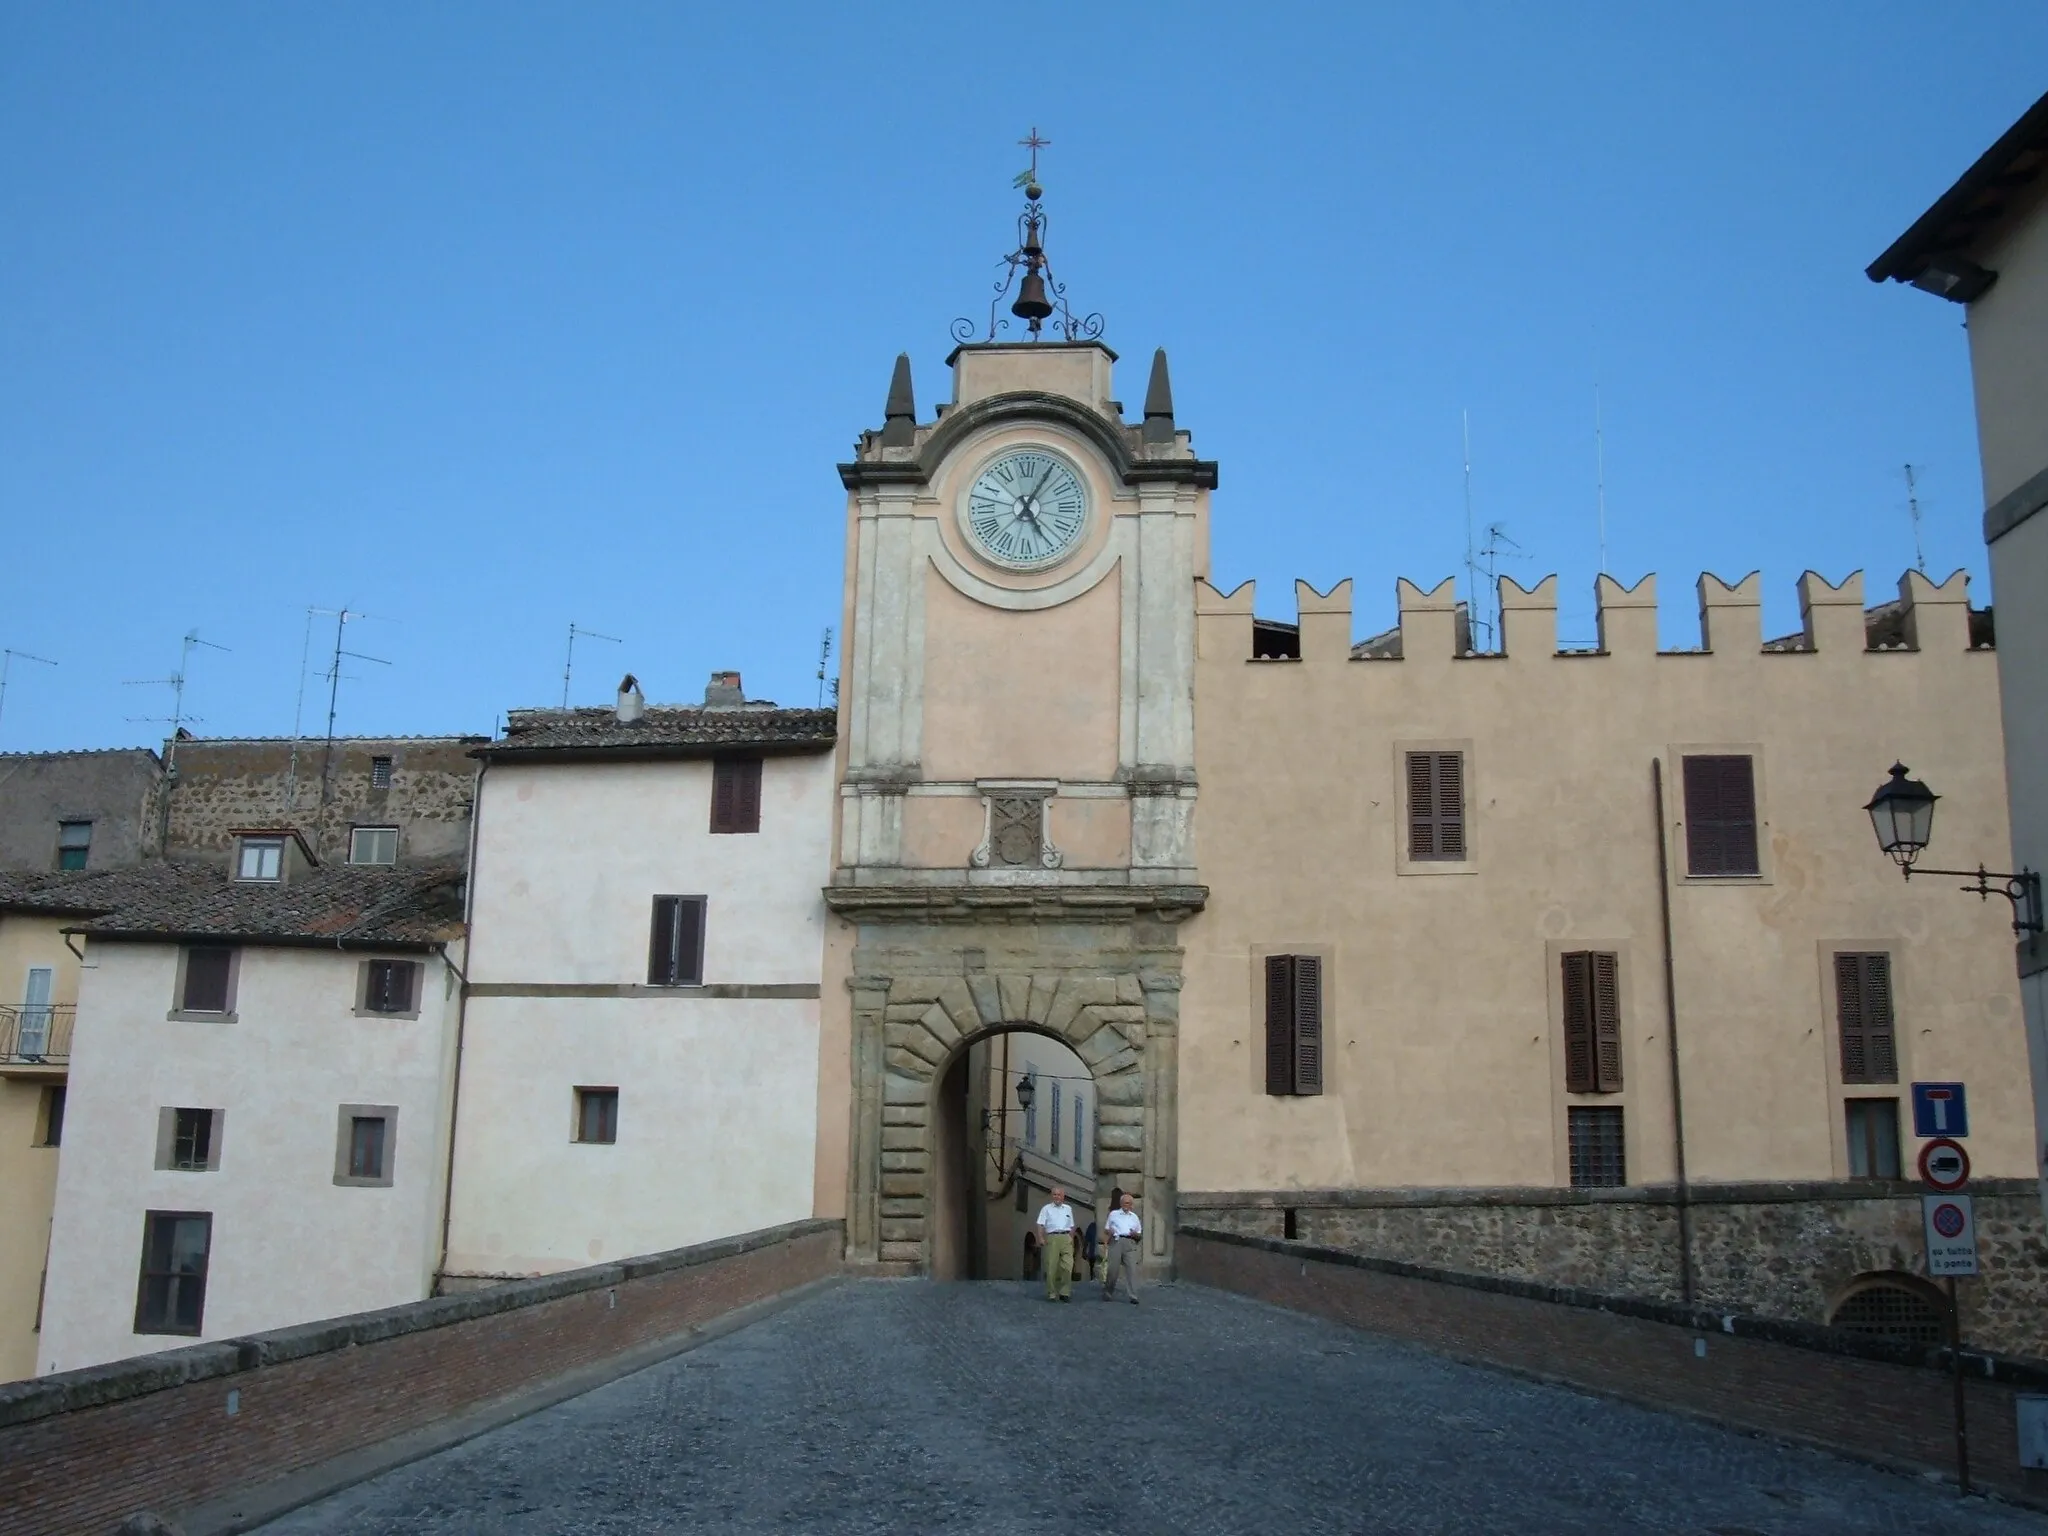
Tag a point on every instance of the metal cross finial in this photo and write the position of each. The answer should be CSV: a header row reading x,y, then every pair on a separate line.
x,y
1035,144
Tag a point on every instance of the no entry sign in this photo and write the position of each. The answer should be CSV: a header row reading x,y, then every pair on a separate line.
x,y
1944,1165
1951,1234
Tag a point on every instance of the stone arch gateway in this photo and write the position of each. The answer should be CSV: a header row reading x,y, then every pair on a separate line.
x,y
1103,977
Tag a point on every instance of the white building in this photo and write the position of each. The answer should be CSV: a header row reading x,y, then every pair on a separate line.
x,y
640,1061
256,1128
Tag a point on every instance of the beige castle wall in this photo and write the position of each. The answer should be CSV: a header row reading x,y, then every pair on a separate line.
x,y
1020,695
1444,1064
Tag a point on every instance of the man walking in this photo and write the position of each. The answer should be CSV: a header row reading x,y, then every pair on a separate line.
x,y
1056,1238
1124,1231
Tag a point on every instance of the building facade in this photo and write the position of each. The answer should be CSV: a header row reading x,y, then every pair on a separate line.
x,y
258,1110
1984,244
640,1042
78,810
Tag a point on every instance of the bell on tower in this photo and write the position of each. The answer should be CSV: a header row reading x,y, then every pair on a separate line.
x,y
1040,297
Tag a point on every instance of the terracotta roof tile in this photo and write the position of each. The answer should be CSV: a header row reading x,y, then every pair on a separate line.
x,y
663,730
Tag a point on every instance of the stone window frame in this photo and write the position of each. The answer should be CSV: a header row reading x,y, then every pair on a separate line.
x,y
344,1131
1633,1062
1254,1031
167,1138
179,1012
1827,1034
1404,863
419,986
1675,754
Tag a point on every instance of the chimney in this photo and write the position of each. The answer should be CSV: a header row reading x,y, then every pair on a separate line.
x,y
724,691
632,702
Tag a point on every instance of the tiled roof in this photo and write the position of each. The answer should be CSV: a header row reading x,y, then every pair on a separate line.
x,y
346,905
663,730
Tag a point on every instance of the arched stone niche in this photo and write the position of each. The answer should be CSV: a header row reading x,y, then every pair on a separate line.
x,y
1098,968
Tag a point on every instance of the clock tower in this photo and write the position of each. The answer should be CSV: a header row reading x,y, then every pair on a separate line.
x,y
1017,787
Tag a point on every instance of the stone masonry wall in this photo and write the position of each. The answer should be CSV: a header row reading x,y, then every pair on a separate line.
x,y
114,790
1784,1251
221,786
82,1450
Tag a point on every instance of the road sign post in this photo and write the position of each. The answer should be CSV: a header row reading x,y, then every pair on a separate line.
x,y
1951,1229
1944,1165
1939,1109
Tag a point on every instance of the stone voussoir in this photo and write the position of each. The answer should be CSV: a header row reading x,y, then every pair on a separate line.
x,y
1013,990
907,1089
986,991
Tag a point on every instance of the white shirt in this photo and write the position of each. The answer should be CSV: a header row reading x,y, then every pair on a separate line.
x,y
1056,1218
1124,1224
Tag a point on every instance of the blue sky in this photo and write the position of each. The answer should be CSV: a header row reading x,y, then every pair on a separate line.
x,y
481,319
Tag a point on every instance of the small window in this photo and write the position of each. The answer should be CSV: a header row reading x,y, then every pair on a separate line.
x,y
1720,816
171,1296
675,949
365,1145
736,794
260,858
1294,1024
1592,1023
391,986
1896,1310
1863,1017
209,974
74,842
597,1115
1596,1149
188,1140
1873,1127
1436,805
373,845
380,773
50,1117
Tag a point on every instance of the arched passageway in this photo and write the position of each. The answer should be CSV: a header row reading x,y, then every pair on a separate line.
x,y
1014,1116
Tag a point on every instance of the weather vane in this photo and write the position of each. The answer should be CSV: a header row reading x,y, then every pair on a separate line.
x,y
1039,296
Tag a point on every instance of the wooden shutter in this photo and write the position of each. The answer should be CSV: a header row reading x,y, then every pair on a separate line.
x,y
206,980
661,943
1863,1012
1280,1024
736,794
1720,816
1606,1025
1436,805
1308,1024
1578,1024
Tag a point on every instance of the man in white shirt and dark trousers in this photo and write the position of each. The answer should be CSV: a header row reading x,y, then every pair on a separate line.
x,y
1124,1229
1056,1238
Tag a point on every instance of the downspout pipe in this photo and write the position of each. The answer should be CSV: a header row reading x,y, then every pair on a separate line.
x,y
476,816
1684,1193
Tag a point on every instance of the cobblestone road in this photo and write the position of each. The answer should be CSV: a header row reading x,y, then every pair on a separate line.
x,y
907,1408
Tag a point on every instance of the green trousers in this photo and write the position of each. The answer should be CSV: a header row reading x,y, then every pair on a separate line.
x,y
1059,1264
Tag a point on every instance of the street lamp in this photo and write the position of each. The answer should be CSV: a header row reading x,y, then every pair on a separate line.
x,y
1027,1090
1902,815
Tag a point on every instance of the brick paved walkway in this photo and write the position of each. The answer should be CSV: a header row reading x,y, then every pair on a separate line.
x,y
907,1408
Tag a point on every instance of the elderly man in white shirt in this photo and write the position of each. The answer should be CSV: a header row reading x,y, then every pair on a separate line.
x,y
1124,1229
1056,1238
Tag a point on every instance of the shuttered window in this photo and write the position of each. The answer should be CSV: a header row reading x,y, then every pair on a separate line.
x,y
1863,1014
390,986
1436,805
675,949
736,794
1592,1023
209,973
1294,1024
1720,816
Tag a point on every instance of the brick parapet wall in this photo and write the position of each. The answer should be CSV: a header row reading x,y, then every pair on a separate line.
x,y
81,1450
1886,1403
1787,1250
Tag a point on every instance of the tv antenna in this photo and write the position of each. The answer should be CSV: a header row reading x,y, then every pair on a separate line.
x,y
176,683
7,662
1913,511
333,674
1493,551
824,656
569,662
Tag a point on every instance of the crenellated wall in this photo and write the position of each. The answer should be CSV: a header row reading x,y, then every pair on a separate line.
x,y
1443,1007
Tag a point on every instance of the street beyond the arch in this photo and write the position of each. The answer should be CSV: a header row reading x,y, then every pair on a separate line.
x,y
910,1407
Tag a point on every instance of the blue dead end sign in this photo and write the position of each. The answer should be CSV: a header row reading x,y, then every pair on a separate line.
x,y
1939,1109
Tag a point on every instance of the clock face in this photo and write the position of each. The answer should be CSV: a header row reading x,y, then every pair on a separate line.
x,y
1027,509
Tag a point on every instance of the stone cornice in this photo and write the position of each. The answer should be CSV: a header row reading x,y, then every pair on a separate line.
x,y
1109,438
1016,904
